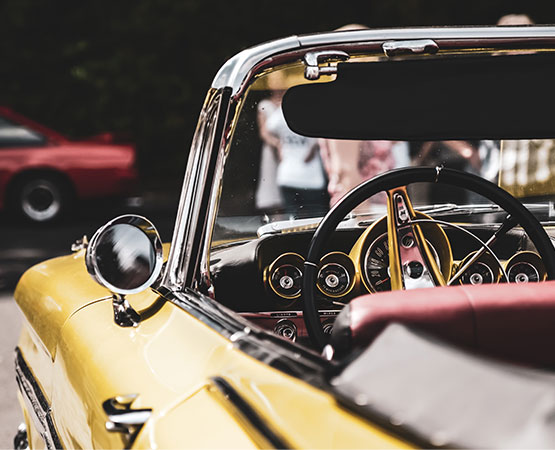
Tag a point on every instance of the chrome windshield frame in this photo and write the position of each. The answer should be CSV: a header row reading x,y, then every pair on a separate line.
x,y
185,269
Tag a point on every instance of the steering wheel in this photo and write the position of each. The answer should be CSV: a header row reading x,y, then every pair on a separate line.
x,y
402,230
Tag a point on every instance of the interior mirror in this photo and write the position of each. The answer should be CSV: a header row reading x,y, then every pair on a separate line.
x,y
125,255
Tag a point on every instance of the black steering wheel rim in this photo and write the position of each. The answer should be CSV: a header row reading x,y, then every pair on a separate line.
x,y
402,177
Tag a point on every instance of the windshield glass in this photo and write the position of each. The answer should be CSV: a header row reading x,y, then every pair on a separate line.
x,y
275,179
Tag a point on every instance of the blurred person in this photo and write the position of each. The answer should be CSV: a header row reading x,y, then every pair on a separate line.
x,y
268,195
300,175
349,163
515,19
514,160
352,26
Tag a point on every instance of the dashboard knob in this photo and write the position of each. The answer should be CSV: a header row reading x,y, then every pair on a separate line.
x,y
327,326
286,329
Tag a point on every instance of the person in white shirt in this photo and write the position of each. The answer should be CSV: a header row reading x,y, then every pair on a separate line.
x,y
300,175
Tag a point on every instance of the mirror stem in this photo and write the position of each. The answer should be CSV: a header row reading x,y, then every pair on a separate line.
x,y
124,314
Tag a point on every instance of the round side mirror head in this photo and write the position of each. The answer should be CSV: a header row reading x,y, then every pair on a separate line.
x,y
125,255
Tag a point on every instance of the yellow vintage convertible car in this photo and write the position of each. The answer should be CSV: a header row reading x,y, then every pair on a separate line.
x,y
361,259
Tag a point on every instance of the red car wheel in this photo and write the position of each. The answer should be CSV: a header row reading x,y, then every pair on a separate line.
x,y
40,199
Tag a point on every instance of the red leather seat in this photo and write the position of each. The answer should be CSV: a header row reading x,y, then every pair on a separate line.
x,y
514,322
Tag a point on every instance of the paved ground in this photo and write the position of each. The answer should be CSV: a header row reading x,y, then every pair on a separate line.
x,y
10,415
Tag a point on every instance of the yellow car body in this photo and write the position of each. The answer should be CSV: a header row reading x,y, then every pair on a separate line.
x,y
80,358
220,340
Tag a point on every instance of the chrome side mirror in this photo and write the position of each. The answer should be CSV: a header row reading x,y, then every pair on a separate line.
x,y
125,256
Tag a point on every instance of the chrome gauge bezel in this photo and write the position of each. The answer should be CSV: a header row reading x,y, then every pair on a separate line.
x,y
486,260
481,264
342,261
296,263
523,281
531,259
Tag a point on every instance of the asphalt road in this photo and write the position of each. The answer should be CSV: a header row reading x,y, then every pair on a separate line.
x,y
23,245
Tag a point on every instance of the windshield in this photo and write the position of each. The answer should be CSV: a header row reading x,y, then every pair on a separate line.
x,y
276,179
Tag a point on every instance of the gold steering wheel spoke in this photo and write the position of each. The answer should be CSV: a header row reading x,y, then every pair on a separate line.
x,y
411,261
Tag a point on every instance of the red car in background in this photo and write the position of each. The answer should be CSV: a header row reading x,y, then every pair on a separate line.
x,y
42,172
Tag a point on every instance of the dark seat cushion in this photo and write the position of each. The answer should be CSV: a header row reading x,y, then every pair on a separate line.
x,y
514,322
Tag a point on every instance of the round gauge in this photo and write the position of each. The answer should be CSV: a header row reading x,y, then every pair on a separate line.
x,y
376,264
285,275
523,272
286,280
478,273
336,275
333,279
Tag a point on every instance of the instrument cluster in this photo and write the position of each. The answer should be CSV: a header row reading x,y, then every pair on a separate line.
x,y
335,279
366,268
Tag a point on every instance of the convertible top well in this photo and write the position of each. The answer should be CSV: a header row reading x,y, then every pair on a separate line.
x,y
441,396
471,97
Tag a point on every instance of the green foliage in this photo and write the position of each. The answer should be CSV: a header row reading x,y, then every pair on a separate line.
x,y
144,66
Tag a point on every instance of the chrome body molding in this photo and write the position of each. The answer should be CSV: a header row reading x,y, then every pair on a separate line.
x,y
37,405
263,433
122,419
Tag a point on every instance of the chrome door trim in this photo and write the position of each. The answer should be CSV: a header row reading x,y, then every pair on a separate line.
x,y
36,402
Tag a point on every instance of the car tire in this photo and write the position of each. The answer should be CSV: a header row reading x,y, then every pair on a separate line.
x,y
40,199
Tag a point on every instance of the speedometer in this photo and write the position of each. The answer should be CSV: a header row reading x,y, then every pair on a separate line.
x,y
376,264
370,254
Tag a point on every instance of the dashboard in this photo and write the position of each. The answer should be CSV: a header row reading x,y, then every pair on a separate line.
x,y
262,278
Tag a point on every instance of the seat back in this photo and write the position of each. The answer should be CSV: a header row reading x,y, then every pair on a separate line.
x,y
514,322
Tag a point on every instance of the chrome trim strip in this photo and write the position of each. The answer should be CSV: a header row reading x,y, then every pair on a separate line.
x,y
237,70
286,314
462,33
36,402
188,215
249,414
